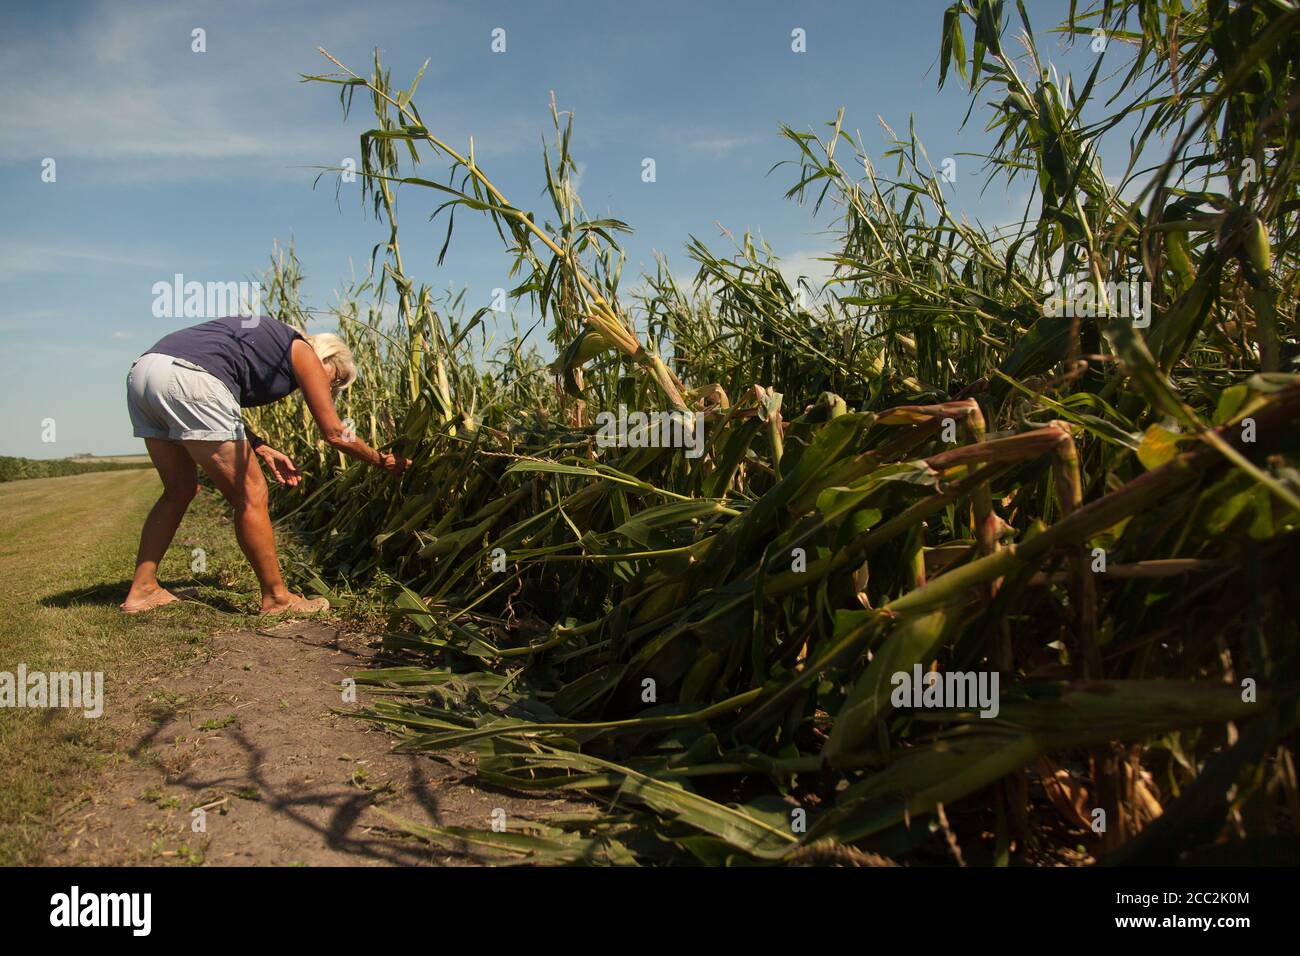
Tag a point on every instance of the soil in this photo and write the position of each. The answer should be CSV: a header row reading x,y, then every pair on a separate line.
x,y
247,734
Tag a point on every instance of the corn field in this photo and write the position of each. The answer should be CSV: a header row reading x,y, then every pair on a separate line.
x,y
928,466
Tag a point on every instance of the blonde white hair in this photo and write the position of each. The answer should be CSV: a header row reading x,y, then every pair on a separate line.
x,y
334,352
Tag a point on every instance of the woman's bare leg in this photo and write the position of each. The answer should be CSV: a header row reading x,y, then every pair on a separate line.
x,y
180,483
234,470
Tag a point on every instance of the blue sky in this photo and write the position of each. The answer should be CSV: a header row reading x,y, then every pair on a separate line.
x,y
174,161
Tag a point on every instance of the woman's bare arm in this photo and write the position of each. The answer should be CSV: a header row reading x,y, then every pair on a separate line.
x,y
314,380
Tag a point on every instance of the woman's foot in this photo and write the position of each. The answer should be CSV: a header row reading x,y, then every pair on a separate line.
x,y
294,604
146,599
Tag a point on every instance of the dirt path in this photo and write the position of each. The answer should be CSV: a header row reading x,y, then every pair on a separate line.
x,y
247,733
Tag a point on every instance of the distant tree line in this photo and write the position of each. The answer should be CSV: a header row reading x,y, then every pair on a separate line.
x,y
15,469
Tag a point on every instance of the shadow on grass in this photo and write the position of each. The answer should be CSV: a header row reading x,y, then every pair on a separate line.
x,y
200,590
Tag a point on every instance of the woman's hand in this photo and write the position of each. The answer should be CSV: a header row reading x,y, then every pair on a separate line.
x,y
280,464
393,464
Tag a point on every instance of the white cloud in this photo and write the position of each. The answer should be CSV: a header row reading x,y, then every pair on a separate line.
x,y
19,259
807,263
719,146
121,91
34,320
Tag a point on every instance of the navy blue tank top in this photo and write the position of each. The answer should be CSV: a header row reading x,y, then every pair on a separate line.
x,y
254,362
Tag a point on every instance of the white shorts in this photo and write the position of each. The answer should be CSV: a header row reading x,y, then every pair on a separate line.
x,y
176,400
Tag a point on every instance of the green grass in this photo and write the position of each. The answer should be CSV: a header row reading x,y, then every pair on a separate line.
x,y
67,550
